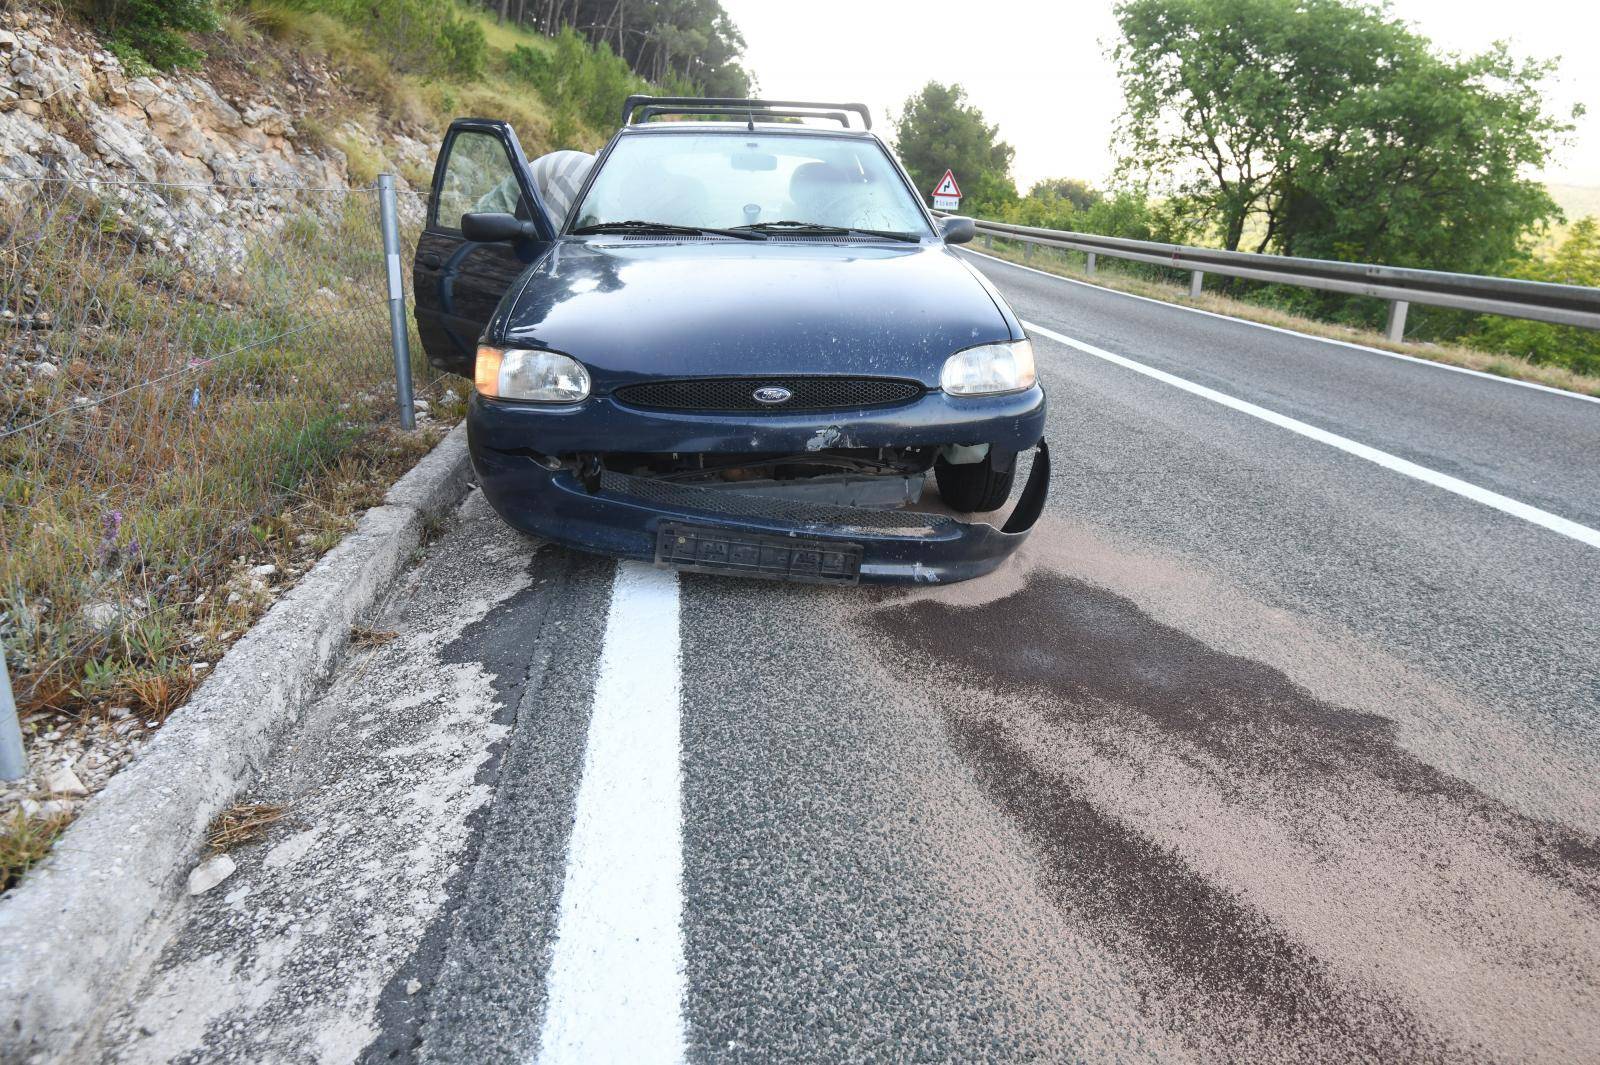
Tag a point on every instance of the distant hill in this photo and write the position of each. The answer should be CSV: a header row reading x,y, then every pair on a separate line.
x,y
1577,201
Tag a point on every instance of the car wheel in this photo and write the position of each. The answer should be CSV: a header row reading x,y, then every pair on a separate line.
x,y
974,487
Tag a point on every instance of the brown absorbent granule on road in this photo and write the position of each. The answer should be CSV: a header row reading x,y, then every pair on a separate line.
x,y
1285,878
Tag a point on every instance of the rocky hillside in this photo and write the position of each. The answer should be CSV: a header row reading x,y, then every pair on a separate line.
x,y
68,107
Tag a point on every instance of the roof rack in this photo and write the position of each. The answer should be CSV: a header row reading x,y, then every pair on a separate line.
x,y
698,105
752,113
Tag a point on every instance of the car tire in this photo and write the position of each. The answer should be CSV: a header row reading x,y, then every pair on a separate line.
x,y
974,487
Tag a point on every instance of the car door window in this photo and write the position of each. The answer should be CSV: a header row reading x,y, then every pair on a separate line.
x,y
478,176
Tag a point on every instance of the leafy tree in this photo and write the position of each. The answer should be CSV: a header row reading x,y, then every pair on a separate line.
x,y
692,44
1425,167
1576,262
1334,129
1075,191
938,130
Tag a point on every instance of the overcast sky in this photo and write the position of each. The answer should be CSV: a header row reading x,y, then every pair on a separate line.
x,y
1039,69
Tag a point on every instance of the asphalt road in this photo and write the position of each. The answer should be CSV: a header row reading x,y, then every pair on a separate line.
x,y
1259,751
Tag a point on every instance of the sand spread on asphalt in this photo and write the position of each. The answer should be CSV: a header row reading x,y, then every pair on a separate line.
x,y
1302,848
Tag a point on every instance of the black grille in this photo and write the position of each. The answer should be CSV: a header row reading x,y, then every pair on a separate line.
x,y
733,503
738,393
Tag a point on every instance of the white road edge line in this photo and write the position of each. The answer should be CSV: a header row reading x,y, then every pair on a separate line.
x,y
616,980
1294,332
1505,504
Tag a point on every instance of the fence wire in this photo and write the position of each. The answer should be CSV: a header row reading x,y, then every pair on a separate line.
x,y
163,394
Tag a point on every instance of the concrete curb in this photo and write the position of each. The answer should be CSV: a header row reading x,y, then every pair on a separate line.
x,y
86,923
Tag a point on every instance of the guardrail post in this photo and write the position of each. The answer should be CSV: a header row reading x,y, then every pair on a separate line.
x,y
13,759
1088,266
1027,250
1396,329
988,242
399,334
1196,280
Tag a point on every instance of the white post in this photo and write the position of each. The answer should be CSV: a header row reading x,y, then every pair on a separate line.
x,y
1396,329
1088,266
1196,279
13,759
399,335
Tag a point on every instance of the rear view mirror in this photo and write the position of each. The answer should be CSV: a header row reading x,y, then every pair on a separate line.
x,y
755,161
494,228
957,230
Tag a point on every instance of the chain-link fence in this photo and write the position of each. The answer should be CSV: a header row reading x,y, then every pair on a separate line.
x,y
174,404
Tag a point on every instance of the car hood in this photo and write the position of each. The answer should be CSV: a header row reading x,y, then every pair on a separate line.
x,y
632,311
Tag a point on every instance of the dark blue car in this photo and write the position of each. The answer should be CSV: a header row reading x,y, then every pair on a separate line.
x,y
741,348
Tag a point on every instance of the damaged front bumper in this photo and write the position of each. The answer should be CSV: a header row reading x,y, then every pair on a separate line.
x,y
711,529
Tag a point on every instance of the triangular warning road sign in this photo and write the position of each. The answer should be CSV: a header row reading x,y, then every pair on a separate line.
x,y
947,186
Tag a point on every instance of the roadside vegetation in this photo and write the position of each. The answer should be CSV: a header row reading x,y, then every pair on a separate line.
x,y
1317,128
24,841
557,71
186,445
198,438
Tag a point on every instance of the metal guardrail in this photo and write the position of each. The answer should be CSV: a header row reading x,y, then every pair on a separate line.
x,y
1540,301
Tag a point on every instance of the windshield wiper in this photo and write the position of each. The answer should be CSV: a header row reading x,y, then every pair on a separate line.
x,y
634,225
788,225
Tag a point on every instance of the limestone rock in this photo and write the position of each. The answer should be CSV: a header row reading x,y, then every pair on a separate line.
x,y
65,782
209,874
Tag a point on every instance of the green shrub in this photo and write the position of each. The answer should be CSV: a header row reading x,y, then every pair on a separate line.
x,y
462,48
154,33
1576,262
582,83
1122,213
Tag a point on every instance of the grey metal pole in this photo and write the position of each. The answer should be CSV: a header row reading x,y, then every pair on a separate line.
x,y
1027,250
1196,280
1396,329
988,242
13,759
399,334
1088,266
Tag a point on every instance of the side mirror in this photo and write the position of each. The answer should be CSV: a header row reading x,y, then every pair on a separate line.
x,y
496,228
957,230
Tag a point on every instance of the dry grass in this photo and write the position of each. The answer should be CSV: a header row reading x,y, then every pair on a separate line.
x,y
361,68
200,424
361,636
504,36
1067,264
375,95
242,823
24,841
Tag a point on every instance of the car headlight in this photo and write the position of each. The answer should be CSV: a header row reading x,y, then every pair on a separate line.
x,y
536,376
988,369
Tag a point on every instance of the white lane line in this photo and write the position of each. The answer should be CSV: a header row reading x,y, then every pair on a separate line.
x,y
616,981
1294,332
1543,518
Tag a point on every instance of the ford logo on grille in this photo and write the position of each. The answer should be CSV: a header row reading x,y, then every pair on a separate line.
x,y
772,394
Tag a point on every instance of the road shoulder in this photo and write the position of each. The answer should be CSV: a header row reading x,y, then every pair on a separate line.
x,y
87,921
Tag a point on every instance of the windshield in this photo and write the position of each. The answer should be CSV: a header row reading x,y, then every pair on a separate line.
x,y
727,180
